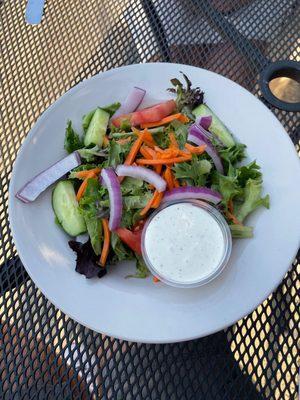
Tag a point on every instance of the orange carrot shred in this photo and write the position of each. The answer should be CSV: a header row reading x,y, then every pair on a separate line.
x,y
173,140
230,214
106,242
83,174
155,279
148,205
146,161
230,205
180,117
158,168
83,186
176,183
147,136
105,141
158,198
134,150
233,218
195,149
169,178
144,152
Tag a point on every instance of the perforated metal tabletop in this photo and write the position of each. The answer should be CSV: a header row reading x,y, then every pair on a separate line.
x,y
43,353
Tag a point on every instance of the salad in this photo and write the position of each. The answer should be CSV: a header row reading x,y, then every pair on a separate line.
x,y
129,160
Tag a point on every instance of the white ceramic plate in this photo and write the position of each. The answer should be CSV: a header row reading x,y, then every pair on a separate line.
x,y
136,309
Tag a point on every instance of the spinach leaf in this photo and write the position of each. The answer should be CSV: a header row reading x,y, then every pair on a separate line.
x,y
72,140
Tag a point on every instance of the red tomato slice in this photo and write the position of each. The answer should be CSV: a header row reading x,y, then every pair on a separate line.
x,y
150,114
132,239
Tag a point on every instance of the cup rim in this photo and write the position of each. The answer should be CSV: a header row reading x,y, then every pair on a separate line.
x,y
216,214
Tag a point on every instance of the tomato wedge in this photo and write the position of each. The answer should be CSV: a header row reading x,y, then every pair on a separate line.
x,y
132,239
150,114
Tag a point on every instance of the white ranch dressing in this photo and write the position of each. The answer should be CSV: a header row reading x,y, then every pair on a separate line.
x,y
184,243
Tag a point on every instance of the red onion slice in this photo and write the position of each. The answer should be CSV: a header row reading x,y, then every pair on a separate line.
x,y
192,192
132,101
40,182
142,173
112,184
204,121
197,137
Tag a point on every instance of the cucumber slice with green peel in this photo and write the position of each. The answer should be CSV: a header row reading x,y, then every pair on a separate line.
x,y
217,127
97,128
66,209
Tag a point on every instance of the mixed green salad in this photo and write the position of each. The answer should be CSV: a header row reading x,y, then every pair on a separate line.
x,y
125,163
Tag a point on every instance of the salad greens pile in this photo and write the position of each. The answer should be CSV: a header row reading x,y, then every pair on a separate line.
x,y
240,185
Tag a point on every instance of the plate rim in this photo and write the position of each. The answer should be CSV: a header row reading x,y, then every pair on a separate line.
x,y
13,228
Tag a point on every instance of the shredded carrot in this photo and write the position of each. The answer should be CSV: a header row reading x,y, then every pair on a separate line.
x,y
105,141
176,183
169,178
146,161
158,168
83,186
147,137
169,153
195,149
230,214
173,141
158,198
158,149
233,218
148,205
83,174
106,242
180,117
155,279
153,154
230,205
134,150
150,151
144,152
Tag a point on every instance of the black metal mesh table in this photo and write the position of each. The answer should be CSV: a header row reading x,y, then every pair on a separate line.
x,y
43,353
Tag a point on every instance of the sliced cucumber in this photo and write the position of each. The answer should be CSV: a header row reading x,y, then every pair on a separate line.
x,y
217,127
65,207
97,128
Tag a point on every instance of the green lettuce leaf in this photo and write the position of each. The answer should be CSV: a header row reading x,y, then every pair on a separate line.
x,y
142,271
72,139
92,213
251,199
195,172
121,251
232,155
132,186
228,186
94,229
111,108
180,131
91,154
117,153
241,231
89,204
246,172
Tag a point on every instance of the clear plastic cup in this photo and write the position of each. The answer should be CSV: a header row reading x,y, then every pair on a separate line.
x,y
218,217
